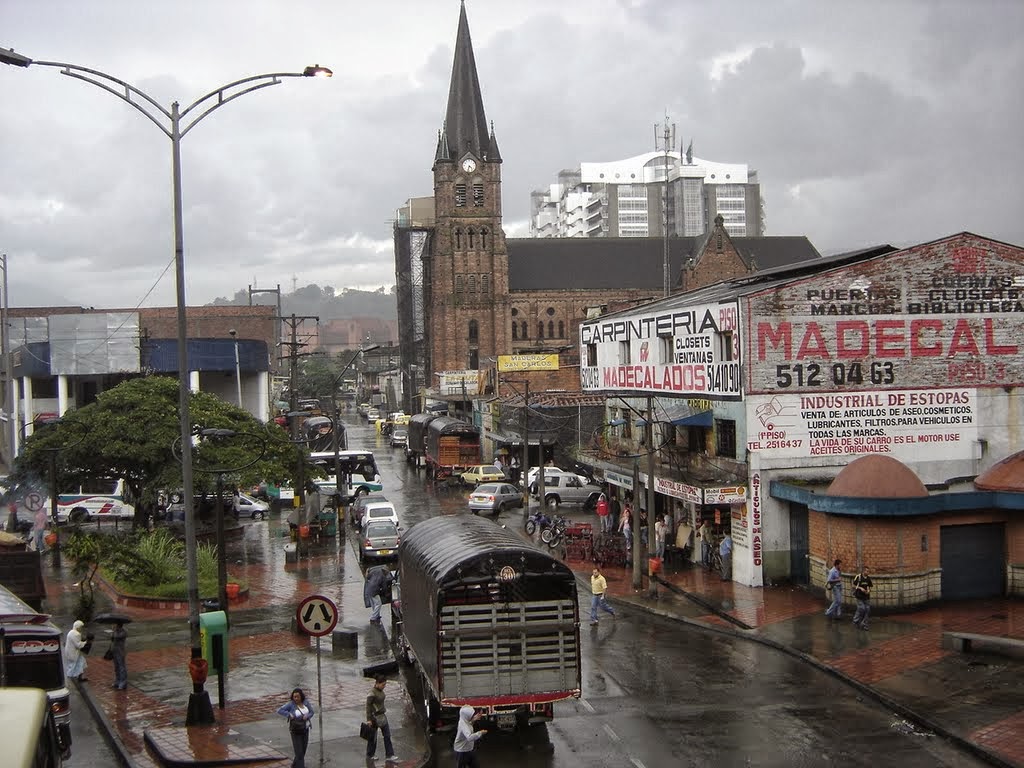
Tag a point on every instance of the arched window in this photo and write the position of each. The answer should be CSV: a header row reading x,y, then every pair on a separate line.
x,y
551,329
515,331
524,333
540,330
472,232
483,238
561,329
474,332
471,284
458,239
458,285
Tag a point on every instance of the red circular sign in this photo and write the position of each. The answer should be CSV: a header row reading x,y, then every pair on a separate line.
x,y
317,615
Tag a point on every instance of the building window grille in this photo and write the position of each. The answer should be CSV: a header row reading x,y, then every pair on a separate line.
x,y
471,284
458,285
485,285
551,329
460,195
540,330
725,438
561,329
474,332
515,331
478,195
524,334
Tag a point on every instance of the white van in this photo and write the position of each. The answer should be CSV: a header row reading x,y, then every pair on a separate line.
x,y
379,510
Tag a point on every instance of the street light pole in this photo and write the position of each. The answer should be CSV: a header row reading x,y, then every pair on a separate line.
x,y
158,115
238,367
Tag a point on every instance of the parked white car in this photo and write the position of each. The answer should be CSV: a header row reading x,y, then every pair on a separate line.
x,y
379,510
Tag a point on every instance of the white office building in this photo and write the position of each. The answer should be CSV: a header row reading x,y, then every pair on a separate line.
x,y
625,198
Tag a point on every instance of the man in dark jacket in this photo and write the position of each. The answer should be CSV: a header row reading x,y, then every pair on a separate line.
x,y
862,594
378,583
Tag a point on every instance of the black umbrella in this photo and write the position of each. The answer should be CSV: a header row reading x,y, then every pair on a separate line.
x,y
112,618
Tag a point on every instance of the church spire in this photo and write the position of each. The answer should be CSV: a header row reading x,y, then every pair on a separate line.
x,y
465,123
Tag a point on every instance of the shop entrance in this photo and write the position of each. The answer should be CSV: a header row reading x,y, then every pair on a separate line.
x,y
973,560
799,541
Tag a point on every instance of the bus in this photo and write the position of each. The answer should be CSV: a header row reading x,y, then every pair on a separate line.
x,y
28,731
100,499
31,657
360,466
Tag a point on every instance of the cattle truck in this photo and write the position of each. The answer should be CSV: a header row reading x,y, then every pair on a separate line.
x,y
452,446
488,620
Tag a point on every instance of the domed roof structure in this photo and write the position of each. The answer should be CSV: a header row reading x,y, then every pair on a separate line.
x,y
877,477
1007,475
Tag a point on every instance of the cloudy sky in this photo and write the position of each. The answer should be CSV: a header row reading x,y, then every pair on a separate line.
x,y
895,121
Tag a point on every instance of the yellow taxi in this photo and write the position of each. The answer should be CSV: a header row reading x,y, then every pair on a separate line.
x,y
482,473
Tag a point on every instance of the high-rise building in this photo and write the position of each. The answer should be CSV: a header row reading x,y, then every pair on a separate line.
x,y
626,198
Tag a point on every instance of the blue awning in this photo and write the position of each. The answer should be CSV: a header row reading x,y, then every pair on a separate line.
x,y
702,419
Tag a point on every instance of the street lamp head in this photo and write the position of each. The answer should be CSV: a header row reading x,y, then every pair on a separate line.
x,y
315,71
8,56
370,348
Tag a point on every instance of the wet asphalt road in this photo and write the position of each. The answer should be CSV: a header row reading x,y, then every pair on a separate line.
x,y
656,692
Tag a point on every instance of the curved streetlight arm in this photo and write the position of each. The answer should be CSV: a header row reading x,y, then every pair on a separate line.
x,y
87,75
223,98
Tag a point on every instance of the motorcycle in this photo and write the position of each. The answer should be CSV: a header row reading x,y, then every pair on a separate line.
x,y
552,529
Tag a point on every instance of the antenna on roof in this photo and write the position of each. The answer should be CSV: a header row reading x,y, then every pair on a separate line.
x,y
668,144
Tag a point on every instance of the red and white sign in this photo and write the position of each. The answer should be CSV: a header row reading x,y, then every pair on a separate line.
x,y
317,615
678,490
731,495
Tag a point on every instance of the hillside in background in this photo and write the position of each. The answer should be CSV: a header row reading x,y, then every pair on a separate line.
x,y
324,302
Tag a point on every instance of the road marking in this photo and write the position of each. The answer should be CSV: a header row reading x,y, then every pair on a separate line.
x,y
587,706
612,734
637,763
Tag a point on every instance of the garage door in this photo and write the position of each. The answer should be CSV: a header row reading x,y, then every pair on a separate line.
x,y
973,561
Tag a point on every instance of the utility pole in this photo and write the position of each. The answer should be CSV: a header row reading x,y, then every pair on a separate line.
x,y
668,143
278,318
293,346
649,429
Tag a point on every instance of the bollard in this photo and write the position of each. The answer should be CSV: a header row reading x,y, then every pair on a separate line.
x,y
345,643
291,553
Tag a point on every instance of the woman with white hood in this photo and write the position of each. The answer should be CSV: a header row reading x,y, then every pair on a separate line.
x,y
466,738
74,657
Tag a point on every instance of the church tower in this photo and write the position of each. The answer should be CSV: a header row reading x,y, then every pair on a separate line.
x,y
469,265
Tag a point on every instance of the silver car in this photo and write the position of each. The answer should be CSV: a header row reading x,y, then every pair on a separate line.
x,y
494,498
379,541
570,489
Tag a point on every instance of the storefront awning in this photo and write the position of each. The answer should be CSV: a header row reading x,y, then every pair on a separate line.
x,y
703,419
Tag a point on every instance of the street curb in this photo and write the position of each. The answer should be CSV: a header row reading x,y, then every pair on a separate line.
x,y
105,726
750,633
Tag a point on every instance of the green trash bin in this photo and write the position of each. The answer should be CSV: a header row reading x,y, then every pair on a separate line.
x,y
213,638
328,520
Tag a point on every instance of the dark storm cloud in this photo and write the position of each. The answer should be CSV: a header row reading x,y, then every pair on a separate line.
x,y
867,121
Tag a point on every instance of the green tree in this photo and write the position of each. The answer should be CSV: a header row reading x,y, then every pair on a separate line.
x,y
132,431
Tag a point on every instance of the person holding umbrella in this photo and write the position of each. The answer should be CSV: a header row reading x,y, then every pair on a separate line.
x,y
118,650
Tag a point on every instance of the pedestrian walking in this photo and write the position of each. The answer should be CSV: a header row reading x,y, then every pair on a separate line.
x,y
300,719
598,585
378,582
119,655
602,513
707,540
74,652
626,526
376,717
466,738
39,523
514,470
659,536
835,585
725,550
862,594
